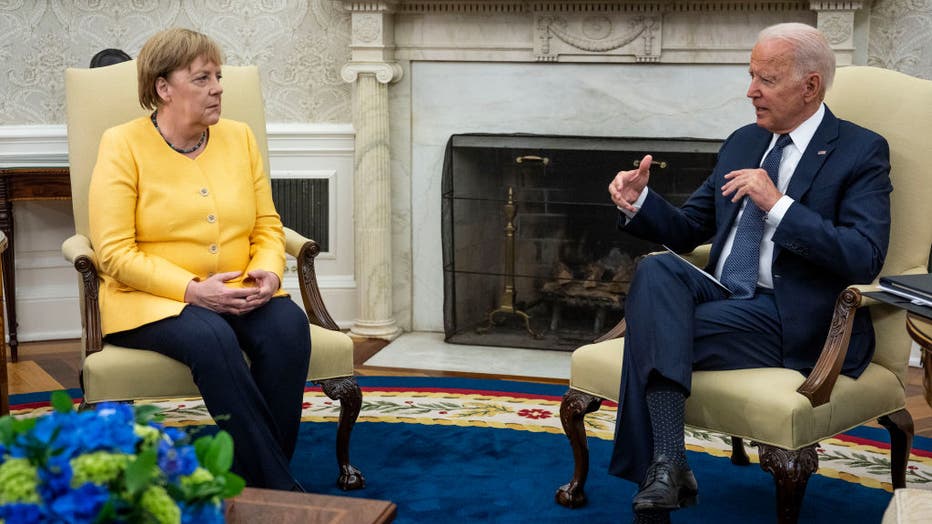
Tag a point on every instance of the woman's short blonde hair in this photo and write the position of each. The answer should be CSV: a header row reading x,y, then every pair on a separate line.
x,y
168,51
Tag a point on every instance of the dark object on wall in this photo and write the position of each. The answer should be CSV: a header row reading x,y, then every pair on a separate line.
x,y
109,57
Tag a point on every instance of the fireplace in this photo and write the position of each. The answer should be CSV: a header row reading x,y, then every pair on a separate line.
x,y
531,253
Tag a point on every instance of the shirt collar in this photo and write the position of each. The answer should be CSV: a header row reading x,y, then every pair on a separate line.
x,y
804,132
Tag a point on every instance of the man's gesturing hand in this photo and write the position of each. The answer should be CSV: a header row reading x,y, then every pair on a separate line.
x,y
627,185
753,183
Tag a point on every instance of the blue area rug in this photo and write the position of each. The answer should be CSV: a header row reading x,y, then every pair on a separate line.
x,y
438,473
464,450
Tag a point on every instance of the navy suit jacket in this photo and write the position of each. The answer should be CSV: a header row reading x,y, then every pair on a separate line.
x,y
835,233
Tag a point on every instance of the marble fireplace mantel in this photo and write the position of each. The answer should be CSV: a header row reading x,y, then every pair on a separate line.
x,y
406,53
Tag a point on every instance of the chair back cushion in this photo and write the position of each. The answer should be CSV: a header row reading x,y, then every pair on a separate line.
x,y
100,98
899,107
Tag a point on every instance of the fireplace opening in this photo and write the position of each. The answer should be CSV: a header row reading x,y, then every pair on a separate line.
x,y
532,256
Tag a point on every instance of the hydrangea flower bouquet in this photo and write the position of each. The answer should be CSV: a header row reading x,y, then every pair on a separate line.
x,y
115,463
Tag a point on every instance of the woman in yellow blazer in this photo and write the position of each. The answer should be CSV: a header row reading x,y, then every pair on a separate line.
x,y
191,252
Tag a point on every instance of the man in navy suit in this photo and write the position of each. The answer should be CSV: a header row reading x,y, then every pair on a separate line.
x,y
820,188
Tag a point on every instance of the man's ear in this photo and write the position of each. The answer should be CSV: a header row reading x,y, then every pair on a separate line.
x,y
812,87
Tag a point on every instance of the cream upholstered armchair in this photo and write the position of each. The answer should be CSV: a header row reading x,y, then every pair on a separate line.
x,y
103,97
781,411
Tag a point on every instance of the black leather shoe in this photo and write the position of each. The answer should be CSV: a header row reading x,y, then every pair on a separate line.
x,y
666,487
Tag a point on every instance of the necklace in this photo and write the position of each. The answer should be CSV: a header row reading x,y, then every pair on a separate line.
x,y
181,150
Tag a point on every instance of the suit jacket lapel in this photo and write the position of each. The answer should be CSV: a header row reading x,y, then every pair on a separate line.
x,y
815,155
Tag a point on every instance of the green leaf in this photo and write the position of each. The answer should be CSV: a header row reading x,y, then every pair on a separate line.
x,y
62,402
201,445
233,486
7,431
141,470
219,457
24,425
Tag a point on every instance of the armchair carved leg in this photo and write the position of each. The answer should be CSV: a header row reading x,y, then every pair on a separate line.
x,y
791,471
573,410
900,426
346,390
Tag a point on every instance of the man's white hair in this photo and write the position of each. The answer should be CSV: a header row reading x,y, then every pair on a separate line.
x,y
812,53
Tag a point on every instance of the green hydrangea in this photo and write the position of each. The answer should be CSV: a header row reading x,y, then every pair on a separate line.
x,y
159,505
18,479
99,467
199,476
149,435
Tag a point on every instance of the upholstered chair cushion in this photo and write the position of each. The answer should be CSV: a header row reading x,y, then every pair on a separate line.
x,y
117,373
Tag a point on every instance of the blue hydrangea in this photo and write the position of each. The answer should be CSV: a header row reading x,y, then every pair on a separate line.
x,y
176,461
109,428
80,505
54,479
41,456
202,513
22,513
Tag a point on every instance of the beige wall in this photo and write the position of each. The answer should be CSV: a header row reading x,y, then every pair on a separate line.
x,y
299,46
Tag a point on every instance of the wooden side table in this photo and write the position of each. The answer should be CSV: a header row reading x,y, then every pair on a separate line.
x,y
266,506
920,329
24,183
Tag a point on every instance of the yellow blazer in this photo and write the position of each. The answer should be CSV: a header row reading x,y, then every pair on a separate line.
x,y
159,219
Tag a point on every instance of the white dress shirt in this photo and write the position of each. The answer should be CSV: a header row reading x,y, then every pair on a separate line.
x,y
792,153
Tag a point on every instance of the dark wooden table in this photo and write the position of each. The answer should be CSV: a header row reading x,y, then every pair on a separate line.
x,y
265,506
920,329
24,183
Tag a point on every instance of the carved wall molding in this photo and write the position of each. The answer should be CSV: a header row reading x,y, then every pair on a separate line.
x,y
583,6
597,34
609,31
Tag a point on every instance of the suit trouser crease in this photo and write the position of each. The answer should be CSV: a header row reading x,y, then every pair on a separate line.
x,y
679,321
259,406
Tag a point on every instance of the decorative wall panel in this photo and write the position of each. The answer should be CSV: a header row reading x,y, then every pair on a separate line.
x,y
901,36
299,46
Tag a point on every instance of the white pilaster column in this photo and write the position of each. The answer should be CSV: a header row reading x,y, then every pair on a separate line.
x,y
371,69
835,18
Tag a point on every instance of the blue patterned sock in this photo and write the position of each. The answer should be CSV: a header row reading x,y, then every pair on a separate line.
x,y
666,405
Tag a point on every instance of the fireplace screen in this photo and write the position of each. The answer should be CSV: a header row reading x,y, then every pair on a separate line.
x,y
531,252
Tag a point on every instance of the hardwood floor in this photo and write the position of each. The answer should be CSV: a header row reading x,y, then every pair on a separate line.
x,y
49,365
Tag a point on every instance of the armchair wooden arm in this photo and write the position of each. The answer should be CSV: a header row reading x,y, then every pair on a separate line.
x,y
305,250
77,250
818,385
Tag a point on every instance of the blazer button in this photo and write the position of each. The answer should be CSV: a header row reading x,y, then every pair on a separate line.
x,y
213,249
204,191
211,218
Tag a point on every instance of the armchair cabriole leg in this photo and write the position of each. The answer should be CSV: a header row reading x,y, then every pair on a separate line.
x,y
573,410
739,457
346,390
791,470
900,426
